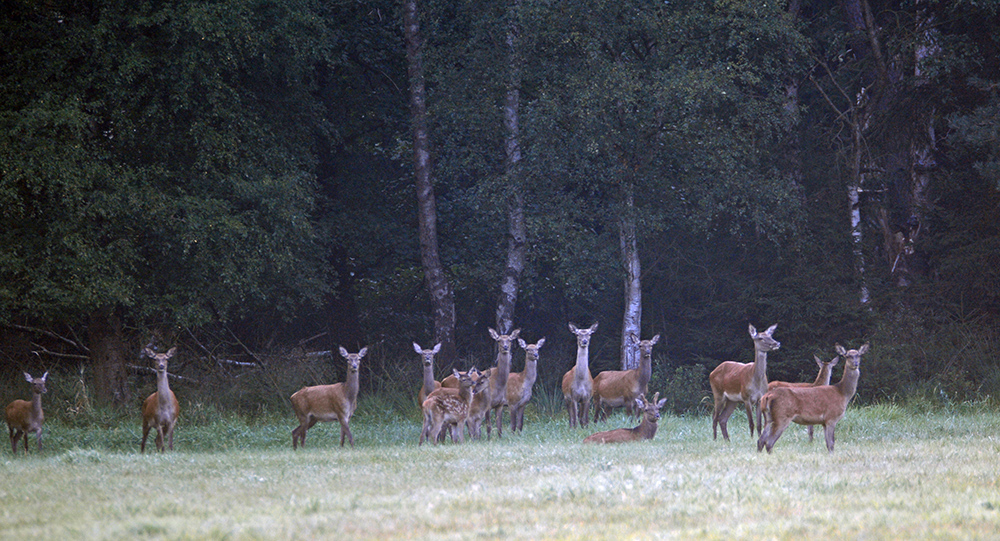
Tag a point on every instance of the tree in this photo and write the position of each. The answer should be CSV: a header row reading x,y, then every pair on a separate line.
x,y
442,298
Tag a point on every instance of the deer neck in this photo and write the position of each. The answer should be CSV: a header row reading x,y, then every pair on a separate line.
x,y
760,368
351,385
429,377
582,363
503,368
530,371
848,383
823,378
162,389
645,370
646,429
36,405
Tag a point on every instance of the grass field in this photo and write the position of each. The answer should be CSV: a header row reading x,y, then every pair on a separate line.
x,y
894,475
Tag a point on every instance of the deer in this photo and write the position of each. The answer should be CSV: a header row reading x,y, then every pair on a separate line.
x,y
734,382
450,407
820,405
26,417
329,403
577,383
520,384
160,409
499,376
823,378
646,429
482,402
616,388
427,358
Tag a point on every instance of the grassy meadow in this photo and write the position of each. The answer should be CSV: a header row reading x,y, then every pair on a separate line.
x,y
894,475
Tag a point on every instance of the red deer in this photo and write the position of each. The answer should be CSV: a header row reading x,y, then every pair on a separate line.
x,y
329,403
24,417
160,410
427,359
577,383
734,382
822,405
617,388
519,384
646,429
449,407
823,378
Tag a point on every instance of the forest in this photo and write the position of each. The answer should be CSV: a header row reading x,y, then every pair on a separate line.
x,y
261,182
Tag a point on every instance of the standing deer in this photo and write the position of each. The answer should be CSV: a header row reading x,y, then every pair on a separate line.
x,y
577,383
450,407
646,429
427,359
519,384
823,378
329,403
499,376
160,409
821,405
616,388
24,417
482,402
734,382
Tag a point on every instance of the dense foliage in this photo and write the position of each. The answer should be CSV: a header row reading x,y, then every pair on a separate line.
x,y
234,176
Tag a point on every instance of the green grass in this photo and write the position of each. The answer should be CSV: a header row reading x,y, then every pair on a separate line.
x,y
894,475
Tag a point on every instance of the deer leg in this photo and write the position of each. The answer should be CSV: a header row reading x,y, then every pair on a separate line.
x,y
749,407
724,415
345,430
500,421
39,439
586,411
571,412
809,429
828,432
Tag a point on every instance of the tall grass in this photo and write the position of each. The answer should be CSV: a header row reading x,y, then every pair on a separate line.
x,y
894,474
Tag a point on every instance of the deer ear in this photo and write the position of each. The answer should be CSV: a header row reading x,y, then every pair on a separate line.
x,y
753,330
770,330
640,402
493,333
515,333
661,403
363,351
148,352
593,327
45,375
343,352
818,360
863,349
540,342
572,328
654,339
417,348
840,349
521,343
437,348
834,361
28,377
171,352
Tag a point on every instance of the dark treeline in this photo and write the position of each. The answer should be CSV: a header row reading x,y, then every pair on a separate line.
x,y
237,178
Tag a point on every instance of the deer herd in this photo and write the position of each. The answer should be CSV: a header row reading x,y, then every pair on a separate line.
x,y
464,401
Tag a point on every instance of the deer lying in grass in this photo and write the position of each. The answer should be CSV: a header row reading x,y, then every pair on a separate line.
x,y
646,429
427,359
25,417
449,407
519,384
329,403
617,388
160,409
822,405
734,382
823,378
577,383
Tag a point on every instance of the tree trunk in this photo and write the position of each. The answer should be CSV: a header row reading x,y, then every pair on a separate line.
x,y
442,299
510,283
854,206
632,319
107,353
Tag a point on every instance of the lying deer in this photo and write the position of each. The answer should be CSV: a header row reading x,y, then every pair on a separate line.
x,y
618,388
24,417
822,405
450,407
823,378
329,403
646,429
733,383
160,409
519,384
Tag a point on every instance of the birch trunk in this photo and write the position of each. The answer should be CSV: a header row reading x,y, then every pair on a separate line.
x,y
632,319
510,283
442,299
